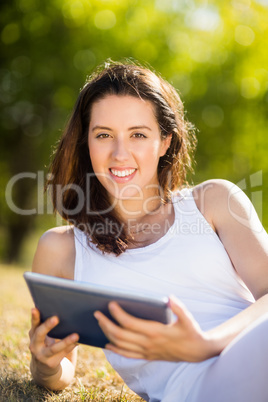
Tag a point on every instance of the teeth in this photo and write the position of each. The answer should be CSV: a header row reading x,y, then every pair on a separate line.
x,y
122,173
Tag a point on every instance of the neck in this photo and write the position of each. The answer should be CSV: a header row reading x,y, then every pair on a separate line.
x,y
138,209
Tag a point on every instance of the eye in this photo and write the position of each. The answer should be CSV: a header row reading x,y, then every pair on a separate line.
x,y
139,135
103,135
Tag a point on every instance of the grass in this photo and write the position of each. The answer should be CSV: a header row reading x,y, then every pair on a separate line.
x,y
95,379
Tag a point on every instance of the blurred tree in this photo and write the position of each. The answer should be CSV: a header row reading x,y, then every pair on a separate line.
x,y
213,52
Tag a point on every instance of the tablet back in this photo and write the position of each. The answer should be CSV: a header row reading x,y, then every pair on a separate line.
x,y
75,302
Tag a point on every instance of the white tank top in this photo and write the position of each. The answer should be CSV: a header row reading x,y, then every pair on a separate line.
x,y
190,262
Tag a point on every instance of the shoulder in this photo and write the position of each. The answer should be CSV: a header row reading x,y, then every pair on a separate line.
x,y
222,201
239,228
55,253
61,235
215,188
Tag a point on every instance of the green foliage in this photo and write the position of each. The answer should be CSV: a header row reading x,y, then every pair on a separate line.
x,y
213,52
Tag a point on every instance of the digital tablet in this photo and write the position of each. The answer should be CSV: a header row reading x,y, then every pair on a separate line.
x,y
75,302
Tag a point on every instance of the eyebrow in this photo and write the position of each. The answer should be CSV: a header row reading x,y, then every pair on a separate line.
x,y
101,128
130,128
139,127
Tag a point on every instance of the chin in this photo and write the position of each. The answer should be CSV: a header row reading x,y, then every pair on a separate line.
x,y
130,197
126,196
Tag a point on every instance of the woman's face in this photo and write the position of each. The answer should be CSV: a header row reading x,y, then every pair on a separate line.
x,y
125,146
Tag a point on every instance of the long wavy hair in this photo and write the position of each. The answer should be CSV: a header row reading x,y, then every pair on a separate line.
x,y
77,194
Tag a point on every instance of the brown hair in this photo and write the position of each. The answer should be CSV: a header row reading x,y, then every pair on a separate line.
x,y
82,200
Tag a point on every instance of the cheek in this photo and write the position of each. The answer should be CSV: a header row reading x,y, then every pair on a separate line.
x,y
96,155
158,149
151,149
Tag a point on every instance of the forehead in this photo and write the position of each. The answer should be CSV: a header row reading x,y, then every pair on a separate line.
x,y
128,108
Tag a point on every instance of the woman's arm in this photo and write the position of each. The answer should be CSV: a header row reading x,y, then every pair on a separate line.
x,y
233,218
53,362
236,222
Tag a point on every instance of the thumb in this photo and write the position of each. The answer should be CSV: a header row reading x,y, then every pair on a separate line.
x,y
179,309
35,317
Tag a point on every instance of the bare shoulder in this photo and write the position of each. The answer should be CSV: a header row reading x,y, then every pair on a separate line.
x,y
221,201
213,190
210,196
239,228
55,253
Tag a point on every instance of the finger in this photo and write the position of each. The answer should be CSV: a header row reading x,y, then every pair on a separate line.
x,y
35,318
66,345
49,341
128,321
124,352
119,336
53,360
180,310
43,329
35,321
112,331
65,352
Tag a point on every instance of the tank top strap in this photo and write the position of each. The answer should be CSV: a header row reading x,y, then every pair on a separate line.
x,y
187,213
183,201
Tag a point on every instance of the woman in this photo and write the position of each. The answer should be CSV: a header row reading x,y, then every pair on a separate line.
x,y
115,177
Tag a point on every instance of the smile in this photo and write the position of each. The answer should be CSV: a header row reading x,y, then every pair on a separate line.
x,y
122,173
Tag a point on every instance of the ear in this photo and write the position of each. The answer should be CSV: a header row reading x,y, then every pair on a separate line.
x,y
165,144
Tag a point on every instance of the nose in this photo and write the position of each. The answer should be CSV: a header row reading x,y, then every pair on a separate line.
x,y
121,150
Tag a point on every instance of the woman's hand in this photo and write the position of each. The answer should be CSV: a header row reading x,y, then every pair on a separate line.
x,y
183,340
49,365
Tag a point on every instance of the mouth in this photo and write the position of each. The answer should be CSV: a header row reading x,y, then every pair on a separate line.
x,y
122,173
